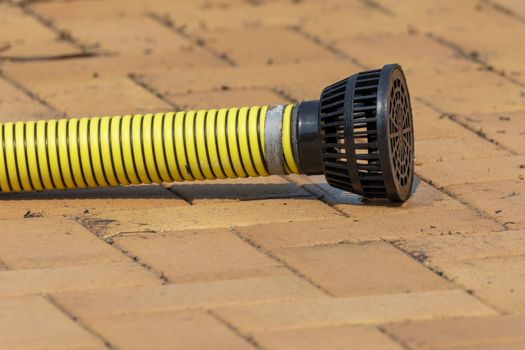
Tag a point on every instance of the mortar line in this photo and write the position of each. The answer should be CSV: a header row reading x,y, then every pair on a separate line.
x,y
169,23
393,338
69,314
453,117
109,240
62,34
473,57
378,7
235,330
505,10
443,275
141,83
321,43
274,257
28,93
59,57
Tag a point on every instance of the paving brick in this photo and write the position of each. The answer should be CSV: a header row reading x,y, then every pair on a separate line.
x,y
501,200
504,128
362,269
83,277
218,191
156,330
84,202
367,228
24,37
431,125
199,255
264,45
358,310
227,97
329,338
471,246
180,296
17,106
320,74
32,322
44,242
459,93
424,198
221,215
456,148
472,170
470,332
498,281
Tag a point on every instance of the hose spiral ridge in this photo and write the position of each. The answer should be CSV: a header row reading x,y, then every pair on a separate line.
x,y
135,149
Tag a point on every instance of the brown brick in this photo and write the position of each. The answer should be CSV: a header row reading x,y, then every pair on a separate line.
x,y
227,97
84,202
218,191
17,106
501,200
358,310
83,277
199,255
470,332
31,322
472,170
367,228
362,269
504,128
194,330
264,45
472,246
222,215
45,242
95,303
430,125
24,37
455,148
497,281
329,338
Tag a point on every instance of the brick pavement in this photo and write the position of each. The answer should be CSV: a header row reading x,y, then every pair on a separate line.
x,y
281,262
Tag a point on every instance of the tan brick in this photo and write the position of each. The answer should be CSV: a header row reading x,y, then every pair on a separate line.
x,y
24,37
33,323
320,74
84,202
329,338
264,45
17,106
367,228
472,170
218,191
220,215
472,246
44,242
359,310
83,277
497,281
199,255
455,148
194,330
459,93
95,303
501,200
504,128
362,269
471,332
424,198
431,125
227,97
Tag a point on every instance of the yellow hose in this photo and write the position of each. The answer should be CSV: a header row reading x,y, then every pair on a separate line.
x,y
110,151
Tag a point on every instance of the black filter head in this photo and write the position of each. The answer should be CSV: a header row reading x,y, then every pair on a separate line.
x,y
366,134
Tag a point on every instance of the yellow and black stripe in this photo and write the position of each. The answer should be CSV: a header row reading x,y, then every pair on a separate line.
x,y
134,149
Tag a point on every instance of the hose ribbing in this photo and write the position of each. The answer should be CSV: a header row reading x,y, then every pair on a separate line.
x,y
110,151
